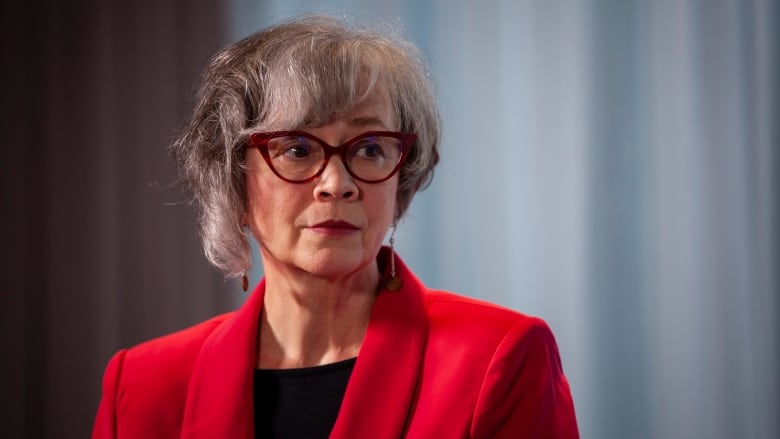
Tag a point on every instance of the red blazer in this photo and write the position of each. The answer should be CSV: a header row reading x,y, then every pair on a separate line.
x,y
432,365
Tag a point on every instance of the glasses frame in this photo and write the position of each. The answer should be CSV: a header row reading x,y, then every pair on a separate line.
x,y
260,141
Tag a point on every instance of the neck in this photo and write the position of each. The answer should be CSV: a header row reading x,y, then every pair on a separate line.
x,y
309,321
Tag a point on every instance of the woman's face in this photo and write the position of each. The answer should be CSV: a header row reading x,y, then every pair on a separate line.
x,y
333,226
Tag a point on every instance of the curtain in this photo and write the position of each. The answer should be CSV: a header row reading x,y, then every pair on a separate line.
x,y
98,253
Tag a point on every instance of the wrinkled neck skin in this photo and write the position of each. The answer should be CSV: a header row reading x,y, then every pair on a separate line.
x,y
310,320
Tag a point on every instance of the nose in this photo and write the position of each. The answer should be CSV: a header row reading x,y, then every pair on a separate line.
x,y
335,183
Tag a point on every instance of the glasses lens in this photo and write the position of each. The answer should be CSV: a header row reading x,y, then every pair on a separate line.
x,y
375,157
295,157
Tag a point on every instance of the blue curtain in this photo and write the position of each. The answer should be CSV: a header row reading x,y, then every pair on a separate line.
x,y
611,166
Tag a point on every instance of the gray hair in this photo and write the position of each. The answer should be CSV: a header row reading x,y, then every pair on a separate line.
x,y
297,74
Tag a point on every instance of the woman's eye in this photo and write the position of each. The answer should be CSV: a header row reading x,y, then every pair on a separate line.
x,y
299,151
292,149
369,150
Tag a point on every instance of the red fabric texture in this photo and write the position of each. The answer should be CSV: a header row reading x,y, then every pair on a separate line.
x,y
433,364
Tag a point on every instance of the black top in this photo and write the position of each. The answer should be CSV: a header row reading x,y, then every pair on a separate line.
x,y
300,403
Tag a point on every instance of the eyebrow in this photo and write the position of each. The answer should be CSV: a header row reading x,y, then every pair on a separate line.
x,y
366,120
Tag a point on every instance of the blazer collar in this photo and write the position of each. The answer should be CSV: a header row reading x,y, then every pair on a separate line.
x,y
380,391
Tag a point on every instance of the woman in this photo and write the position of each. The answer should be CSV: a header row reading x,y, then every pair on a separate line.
x,y
312,137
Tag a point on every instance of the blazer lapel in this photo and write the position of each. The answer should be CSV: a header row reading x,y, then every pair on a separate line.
x,y
380,391
220,395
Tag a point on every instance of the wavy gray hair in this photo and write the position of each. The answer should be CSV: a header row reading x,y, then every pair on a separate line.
x,y
297,74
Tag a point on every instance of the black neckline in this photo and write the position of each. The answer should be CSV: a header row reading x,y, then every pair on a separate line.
x,y
311,370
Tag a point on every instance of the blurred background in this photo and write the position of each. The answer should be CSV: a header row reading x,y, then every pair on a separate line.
x,y
612,166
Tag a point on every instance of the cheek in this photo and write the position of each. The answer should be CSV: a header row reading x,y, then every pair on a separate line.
x,y
383,202
263,205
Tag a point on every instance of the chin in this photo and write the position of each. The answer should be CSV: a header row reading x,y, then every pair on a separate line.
x,y
337,262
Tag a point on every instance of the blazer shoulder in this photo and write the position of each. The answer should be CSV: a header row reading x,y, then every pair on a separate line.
x,y
176,346
508,362
145,386
159,370
454,311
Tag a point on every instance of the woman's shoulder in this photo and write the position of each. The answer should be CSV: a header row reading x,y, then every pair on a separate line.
x,y
147,383
178,342
166,358
465,321
510,382
461,310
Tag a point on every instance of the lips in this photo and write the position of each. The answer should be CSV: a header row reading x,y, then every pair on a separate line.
x,y
334,228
